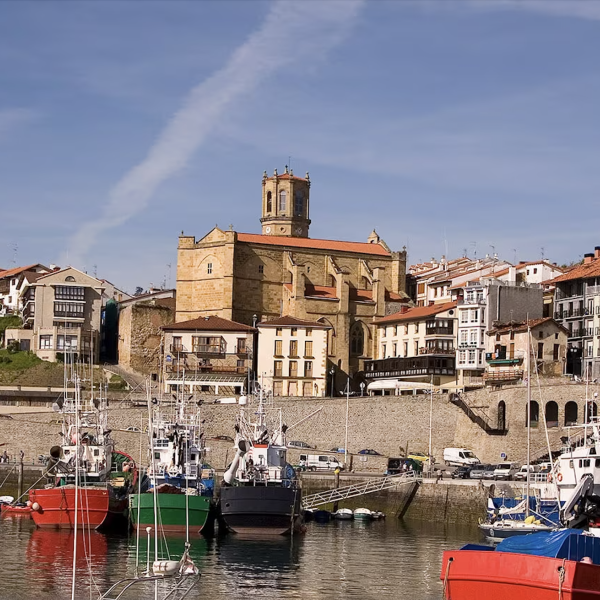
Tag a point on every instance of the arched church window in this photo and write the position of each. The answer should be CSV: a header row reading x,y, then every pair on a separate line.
x,y
357,340
298,203
282,200
269,203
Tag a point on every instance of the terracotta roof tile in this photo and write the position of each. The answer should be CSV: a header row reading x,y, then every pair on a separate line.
x,y
293,322
522,326
330,293
583,271
417,313
210,323
331,245
287,176
18,270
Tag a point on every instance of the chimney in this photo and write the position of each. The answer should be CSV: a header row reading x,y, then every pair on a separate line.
x,y
588,258
597,252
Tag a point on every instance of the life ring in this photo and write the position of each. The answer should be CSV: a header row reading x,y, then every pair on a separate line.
x,y
559,477
549,478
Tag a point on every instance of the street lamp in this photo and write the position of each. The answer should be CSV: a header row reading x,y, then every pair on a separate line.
x,y
332,373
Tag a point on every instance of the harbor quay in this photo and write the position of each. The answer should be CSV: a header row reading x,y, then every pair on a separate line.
x,y
491,423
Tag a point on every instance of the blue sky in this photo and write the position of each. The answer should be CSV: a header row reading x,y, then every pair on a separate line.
x,y
444,124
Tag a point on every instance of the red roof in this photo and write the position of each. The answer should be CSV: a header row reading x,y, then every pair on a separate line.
x,y
293,322
287,176
582,271
417,313
210,323
18,270
331,245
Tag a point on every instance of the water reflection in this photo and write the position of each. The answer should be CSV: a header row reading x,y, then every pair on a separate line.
x,y
341,560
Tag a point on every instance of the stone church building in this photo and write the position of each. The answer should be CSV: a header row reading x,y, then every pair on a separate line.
x,y
249,277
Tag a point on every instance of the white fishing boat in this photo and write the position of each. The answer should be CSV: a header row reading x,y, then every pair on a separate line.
x,y
343,514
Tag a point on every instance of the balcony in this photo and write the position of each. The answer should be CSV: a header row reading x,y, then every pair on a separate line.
x,y
502,376
438,350
175,367
410,366
439,331
480,301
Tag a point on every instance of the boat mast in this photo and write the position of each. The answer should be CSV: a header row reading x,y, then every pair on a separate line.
x,y
77,399
528,417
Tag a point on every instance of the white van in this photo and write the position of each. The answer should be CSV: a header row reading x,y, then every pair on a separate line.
x,y
506,470
319,462
458,457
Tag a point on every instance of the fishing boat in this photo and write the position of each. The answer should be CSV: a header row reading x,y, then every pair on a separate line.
x,y
181,484
561,565
260,493
90,480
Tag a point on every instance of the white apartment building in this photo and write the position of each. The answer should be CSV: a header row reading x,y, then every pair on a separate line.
x,y
12,283
292,357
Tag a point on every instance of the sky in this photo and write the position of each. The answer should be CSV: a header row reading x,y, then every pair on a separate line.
x,y
449,126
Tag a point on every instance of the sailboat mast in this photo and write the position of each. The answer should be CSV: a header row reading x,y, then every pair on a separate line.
x,y
528,416
75,524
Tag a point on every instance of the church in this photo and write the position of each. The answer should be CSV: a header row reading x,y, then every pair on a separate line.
x,y
251,277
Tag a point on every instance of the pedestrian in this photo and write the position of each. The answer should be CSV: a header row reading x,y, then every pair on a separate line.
x,y
22,454
5,457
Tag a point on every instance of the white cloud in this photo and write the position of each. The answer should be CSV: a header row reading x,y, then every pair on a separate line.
x,y
290,32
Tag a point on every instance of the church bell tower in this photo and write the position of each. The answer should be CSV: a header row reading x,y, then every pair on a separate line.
x,y
285,204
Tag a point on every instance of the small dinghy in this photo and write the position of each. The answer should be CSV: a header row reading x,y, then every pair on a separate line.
x,y
343,514
363,514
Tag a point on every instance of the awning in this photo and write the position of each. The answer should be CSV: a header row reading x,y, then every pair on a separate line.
x,y
206,379
399,384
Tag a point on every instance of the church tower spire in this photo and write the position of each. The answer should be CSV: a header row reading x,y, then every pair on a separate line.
x,y
285,204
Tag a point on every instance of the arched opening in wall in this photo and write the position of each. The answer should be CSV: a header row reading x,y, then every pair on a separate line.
x,y
366,284
357,340
534,414
571,410
269,202
502,415
551,414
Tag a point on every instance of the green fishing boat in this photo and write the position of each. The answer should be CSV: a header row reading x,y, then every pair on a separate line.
x,y
171,512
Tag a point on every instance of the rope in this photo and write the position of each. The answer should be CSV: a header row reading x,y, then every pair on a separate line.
x,y
446,589
561,579
9,473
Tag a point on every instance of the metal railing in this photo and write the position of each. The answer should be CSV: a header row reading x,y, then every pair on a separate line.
x,y
359,489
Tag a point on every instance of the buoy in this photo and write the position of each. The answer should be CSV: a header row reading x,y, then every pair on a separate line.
x,y
35,506
165,567
28,503
559,477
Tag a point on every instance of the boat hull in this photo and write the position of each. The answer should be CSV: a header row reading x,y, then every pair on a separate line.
x,y
98,508
261,509
470,575
172,511
497,531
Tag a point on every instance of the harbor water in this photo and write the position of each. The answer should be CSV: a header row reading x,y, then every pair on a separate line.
x,y
380,559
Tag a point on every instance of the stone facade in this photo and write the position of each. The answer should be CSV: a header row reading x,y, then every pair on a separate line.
x,y
344,285
140,333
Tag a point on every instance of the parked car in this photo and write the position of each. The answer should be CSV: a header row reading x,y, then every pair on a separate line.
x,y
319,462
298,444
488,473
222,438
338,450
369,451
421,457
461,472
522,474
506,470
477,471
135,429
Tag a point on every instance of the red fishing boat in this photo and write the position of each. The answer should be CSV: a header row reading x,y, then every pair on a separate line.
x,y
91,480
563,565
19,510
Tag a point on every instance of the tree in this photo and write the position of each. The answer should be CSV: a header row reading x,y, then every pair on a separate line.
x,y
138,291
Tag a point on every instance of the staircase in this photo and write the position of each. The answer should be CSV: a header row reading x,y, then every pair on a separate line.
x,y
359,489
457,400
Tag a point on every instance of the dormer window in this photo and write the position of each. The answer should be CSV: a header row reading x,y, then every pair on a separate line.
x,y
269,202
282,200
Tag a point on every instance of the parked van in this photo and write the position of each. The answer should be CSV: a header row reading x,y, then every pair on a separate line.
x,y
319,462
522,474
506,470
458,457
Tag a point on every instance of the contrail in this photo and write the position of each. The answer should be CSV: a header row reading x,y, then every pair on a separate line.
x,y
291,31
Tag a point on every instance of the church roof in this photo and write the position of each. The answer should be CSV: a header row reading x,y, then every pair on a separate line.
x,y
288,321
315,244
330,293
209,323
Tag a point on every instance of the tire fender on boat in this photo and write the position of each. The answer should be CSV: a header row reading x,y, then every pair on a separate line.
x,y
559,477
549,478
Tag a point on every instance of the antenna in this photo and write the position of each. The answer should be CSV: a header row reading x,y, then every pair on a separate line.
x,y
515,256
542,252
95,270
290,162
15,250
474,244
169,274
